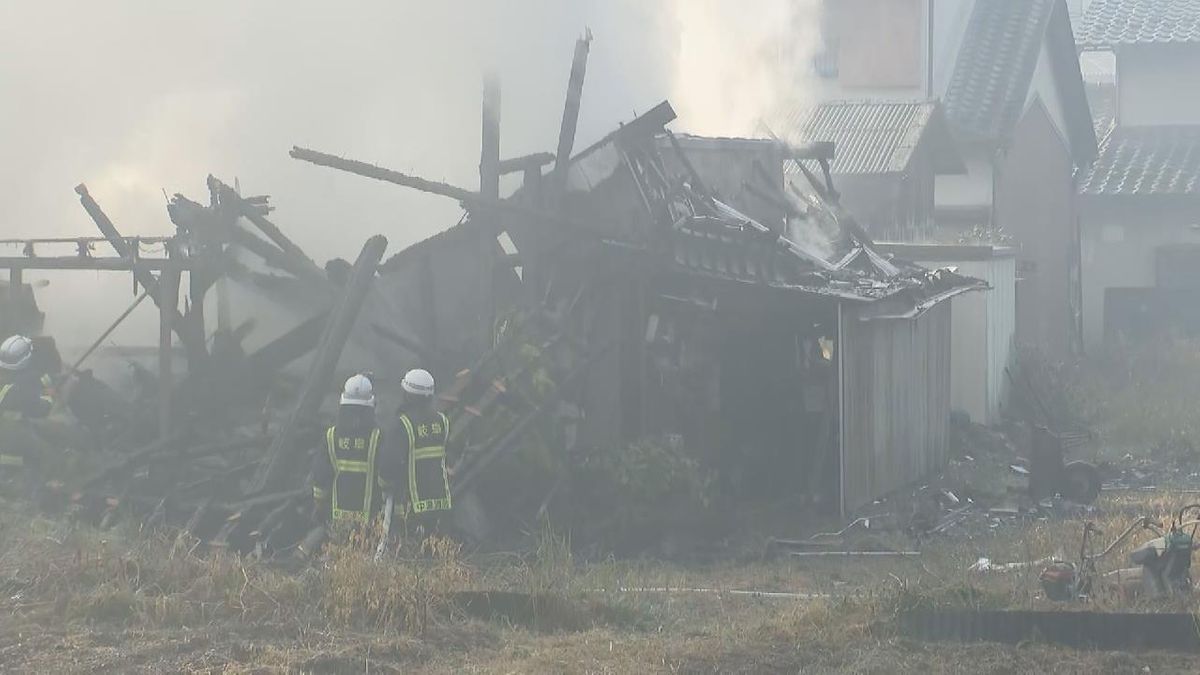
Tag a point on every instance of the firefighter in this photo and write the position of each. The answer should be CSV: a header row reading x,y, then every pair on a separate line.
x,y
345,485
414,464
21,399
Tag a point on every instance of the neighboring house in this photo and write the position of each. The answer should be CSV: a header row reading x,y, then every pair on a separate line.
x,y
1141,200
886,157
1012,97
1009,79
1016,102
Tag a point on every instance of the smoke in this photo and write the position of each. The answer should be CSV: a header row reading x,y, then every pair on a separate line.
x,y
743,66
138,98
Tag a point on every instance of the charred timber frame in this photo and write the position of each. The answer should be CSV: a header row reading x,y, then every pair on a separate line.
x,y
337,330
192,339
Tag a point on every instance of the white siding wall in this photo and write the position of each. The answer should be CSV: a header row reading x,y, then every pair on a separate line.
x,y
973,188
1158,85
1119,242
982,333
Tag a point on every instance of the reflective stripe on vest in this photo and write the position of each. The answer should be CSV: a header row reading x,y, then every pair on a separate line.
x,y
12,416
340,466
7,414
428,452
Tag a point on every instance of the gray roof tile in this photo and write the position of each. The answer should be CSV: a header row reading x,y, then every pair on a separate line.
x,y
1146,161
1110,23
995,65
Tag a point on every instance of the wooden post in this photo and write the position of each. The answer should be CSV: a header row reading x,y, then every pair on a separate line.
x,y
570,118
429,308
329,350
168,301
489,156
15,281
224,322
489,188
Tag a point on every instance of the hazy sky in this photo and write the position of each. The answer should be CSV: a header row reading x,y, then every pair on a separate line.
x,y
134,97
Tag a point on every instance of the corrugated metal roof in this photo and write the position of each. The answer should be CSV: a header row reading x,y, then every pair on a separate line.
x,y
870,137
1110,23
1146,161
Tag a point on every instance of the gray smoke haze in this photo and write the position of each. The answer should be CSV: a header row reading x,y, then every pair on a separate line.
x,y
134,97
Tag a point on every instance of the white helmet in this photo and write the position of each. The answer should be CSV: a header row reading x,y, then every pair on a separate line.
x,y
418,382
358,391
16,352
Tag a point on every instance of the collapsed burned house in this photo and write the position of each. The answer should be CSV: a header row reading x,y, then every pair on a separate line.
x,y
676,289
820,370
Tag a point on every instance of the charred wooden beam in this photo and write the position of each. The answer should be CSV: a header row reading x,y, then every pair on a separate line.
x,y
489,155
489,188
470,200
387,175
204,221
107,264
525,163
168,301
337,330
194,344
250,211
570,118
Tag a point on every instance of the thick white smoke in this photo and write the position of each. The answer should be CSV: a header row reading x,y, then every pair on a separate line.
x,y
136,98
742,65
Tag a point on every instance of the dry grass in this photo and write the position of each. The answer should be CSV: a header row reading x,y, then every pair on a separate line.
x,y
124,602
407,594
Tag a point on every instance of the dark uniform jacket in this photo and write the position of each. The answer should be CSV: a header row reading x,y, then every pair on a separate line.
x,y
413,465
344,467
21,398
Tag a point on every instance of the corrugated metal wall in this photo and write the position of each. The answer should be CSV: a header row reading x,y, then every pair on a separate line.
x,y
895,402
1002,329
